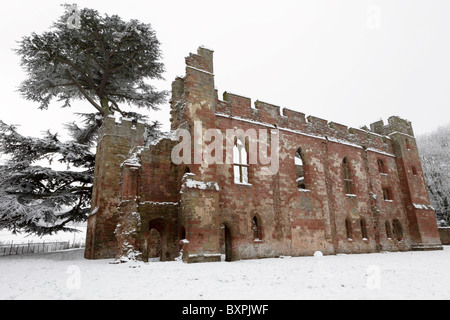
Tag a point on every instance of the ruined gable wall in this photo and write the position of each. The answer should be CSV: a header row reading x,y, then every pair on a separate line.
x,y
160,177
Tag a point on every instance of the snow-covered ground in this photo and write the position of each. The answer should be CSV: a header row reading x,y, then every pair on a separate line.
x,y
67,275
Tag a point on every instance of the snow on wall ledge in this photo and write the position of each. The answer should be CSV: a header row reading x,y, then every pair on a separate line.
x,y
191,183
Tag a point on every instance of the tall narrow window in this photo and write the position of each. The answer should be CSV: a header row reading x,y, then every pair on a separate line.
x,y
256,229
364,234
388,230
240,162
414,171
381,167
300,169
349,229
348,181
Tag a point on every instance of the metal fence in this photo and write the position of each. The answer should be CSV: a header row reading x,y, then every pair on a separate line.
x,y
37,247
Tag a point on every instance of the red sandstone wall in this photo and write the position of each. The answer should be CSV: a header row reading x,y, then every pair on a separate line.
x,y
313,220
160,180
327,144
445,235
388,210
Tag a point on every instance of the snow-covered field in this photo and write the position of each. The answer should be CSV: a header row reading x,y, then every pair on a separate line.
x,y
67,275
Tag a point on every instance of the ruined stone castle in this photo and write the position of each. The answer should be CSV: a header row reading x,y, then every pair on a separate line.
x,y
337,189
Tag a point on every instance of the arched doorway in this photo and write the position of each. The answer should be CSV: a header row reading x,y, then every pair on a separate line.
x,y
226,245
163,240
155,240
154,245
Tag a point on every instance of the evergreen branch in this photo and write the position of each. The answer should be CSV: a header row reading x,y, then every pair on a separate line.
x,y
130,60
81,71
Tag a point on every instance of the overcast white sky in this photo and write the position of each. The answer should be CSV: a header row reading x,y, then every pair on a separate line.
x,y
347,61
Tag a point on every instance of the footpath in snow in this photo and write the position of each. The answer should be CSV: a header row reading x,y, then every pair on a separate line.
x,y
67,275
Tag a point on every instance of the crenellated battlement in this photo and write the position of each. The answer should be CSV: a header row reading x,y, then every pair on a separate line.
x,y
240,107
395,124
199,80
130,129
294,116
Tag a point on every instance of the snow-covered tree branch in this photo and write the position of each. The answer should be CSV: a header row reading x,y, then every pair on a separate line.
x,y
435,155
37,199
106,61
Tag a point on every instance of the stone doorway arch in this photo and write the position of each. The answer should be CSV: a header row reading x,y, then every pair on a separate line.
x,y
226,242
162,240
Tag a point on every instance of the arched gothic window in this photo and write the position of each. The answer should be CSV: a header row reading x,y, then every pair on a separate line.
x,y
348,181
256,229
300,169
240,158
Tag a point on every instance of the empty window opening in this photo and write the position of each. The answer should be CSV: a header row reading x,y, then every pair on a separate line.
x,y
381,167
364,233
414,171
256,229
388,230
349,229
300,170
241,166
387,194
408,145
398,230
348,181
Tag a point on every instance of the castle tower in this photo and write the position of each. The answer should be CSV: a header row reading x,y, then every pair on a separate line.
x,y
193,109
115,140
422,218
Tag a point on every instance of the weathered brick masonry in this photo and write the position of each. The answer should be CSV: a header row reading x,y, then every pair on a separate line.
x,y
355,191
445,235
